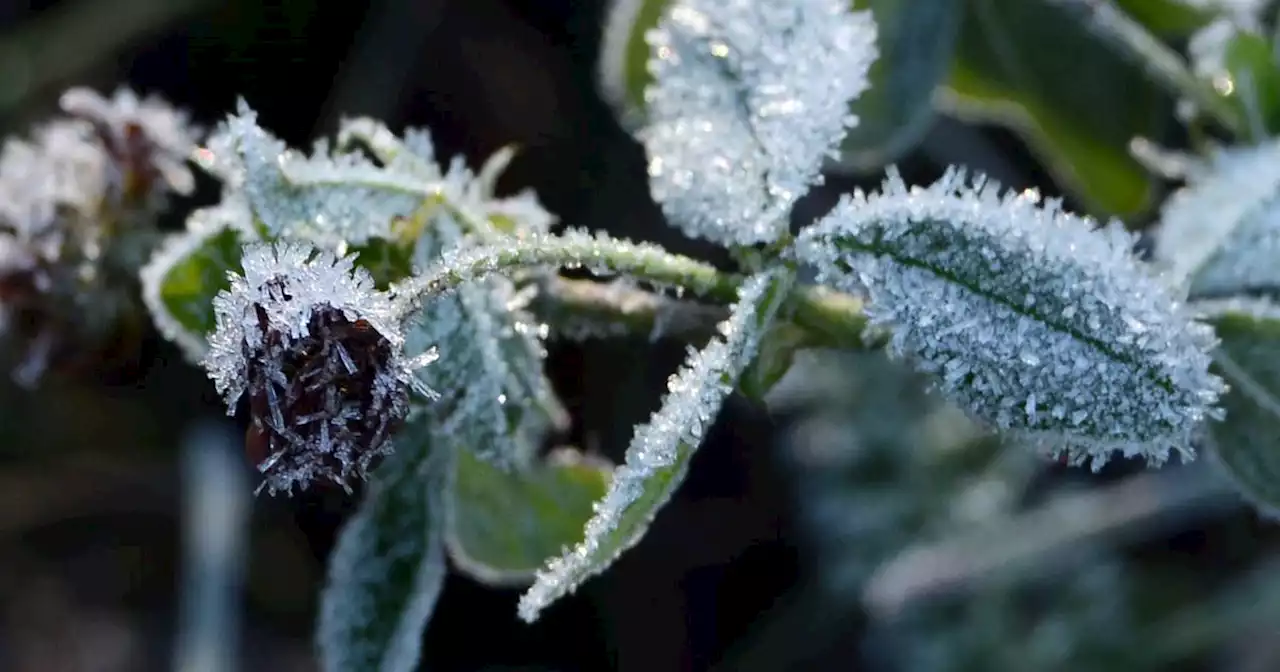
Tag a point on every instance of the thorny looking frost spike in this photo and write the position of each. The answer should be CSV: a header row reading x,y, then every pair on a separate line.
x,y
1203,217
749,97
662,446
320,354
265,168
1032,321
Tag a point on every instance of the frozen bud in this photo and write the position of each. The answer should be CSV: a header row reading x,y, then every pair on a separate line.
x,y
320,353
147,139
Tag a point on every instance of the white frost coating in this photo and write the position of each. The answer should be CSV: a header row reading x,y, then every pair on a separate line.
x,y
384,576
1246,263
262,321
573,249
1202,217
749,98
296,195
1031,320
231,214
288,281
660,450
497,400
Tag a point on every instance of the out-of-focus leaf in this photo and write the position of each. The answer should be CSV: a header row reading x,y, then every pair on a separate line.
x,y
1247,442
917,40
1167,18
1255,79
777,350
504,524
1074,99
388,566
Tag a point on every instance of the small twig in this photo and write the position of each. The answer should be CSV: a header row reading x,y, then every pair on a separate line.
x,y
584,308
1161,63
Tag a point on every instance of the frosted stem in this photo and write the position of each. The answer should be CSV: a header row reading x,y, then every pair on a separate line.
x,y
598,253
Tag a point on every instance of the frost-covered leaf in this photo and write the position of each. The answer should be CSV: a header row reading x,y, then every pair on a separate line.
x,y
339,194
659,453
1030,319
1246,444
917,43
623,68
496,399
1220,234
504,524
1074,99
189,268
749,97
388,566
470,197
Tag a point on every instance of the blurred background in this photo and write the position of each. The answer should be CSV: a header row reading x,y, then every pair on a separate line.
x,y
860,524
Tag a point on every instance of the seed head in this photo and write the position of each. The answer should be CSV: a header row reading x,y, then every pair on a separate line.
x,y
319,351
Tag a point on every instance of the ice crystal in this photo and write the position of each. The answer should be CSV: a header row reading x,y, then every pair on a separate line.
x,y
297,195
1030,318
659,453
749,97
1220,233
597,252
497,400
320,352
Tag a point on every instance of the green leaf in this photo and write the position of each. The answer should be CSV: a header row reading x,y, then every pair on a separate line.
x,y
1246,443
183,276
1170,19
388,261
1254,83
778,349
388,566
1073,98
917,40
504,524
624,55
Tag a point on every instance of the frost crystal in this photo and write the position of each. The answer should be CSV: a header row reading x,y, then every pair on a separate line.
x,y
659,453
296,195
320,353
749,97
497,399
1220,233
1030,319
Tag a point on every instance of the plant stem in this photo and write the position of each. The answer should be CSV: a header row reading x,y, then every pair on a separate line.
x,y
829,318
1161,63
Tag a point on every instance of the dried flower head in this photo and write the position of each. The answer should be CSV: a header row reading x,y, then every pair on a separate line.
x,y
77,207
147,140
320,352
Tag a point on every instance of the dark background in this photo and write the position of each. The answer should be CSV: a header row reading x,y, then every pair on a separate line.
x,y
89,481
